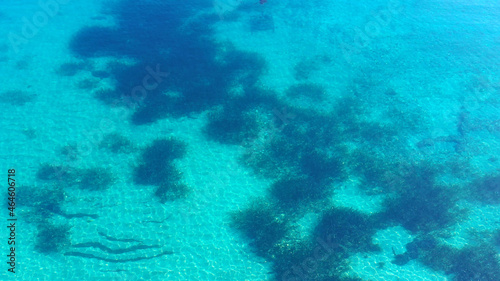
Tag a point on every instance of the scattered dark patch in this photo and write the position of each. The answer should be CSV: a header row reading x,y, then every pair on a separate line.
x,y
177,55
261,22
293,148
348,228
305,68
89,179
477,263
318,166
94,179
52,238
231,126
70,151
156,167
22,64
294,192
440,258
419,204
243,117
108,96
30,133
390,92
115,143
44,201
50,172
171,190
376,133
372,169
164,150
261,225
16,98
97,41
308,90
496,239
156,173
487,189
311,260
471,263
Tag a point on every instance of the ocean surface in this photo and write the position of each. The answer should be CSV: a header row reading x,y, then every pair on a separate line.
x,y
250,140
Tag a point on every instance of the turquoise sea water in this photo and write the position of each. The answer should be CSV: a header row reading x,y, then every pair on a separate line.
x,y
246,140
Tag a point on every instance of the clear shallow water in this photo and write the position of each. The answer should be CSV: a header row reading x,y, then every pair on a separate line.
x,y
233,140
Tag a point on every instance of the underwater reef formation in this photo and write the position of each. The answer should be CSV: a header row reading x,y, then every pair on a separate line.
x,y
487,189
420,204
260,224
351,230
294,192
231,126
242,118
52,238
305,156
43,202
201,71
40,202
323,256
156,168
478,262
414,249
49,172
94,179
